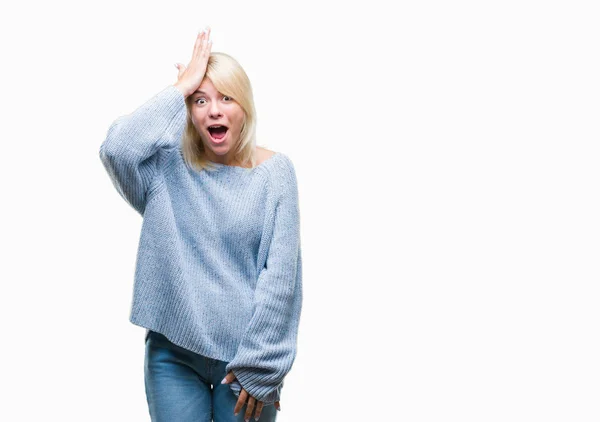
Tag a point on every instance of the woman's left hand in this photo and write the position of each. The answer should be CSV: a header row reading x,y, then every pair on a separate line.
x,y
242,400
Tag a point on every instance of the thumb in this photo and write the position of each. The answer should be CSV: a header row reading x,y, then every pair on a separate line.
x,y
180,68
228,378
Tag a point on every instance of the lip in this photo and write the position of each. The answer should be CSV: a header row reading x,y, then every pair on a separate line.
x,y
218,141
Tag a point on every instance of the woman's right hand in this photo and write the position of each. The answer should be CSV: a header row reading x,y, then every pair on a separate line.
x,y
190,77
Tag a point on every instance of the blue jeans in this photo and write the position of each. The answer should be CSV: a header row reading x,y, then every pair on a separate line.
x,y
184,386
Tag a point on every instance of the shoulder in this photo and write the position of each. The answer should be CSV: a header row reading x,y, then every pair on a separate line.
x,y
274,161
279,170
263,154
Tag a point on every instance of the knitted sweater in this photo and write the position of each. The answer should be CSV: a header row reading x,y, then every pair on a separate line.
x,y
219,266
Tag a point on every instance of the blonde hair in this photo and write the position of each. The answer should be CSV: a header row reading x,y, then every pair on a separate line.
x,y
230,79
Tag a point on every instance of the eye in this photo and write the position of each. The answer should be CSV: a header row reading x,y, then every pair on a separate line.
x,y
198,99
228,97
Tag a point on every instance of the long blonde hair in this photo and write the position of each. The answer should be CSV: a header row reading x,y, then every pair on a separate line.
x,y
230,79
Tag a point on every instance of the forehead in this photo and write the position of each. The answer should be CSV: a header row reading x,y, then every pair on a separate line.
x,y
207,87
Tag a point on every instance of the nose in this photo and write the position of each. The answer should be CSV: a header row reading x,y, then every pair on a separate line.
x,y
214,111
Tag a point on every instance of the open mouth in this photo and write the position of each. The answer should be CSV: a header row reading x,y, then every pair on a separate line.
x,y
217,132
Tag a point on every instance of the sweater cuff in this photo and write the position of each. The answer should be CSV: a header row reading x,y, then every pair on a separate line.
x,y
251,382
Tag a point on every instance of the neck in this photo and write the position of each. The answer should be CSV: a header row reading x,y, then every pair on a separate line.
x,y
227,159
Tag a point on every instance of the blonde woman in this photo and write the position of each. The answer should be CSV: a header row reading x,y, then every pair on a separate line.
x,y
218,279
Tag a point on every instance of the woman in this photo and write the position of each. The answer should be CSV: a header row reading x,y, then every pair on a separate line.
x,y
218,279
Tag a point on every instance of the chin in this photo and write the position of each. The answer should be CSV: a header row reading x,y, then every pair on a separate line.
x,y
220,151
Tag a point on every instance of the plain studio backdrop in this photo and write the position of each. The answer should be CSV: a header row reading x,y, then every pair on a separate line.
x,y
447,158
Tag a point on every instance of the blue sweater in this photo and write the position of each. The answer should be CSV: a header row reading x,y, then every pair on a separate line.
x,y
219,266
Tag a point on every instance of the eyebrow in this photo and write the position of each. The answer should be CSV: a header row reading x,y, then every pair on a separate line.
x,y
202,92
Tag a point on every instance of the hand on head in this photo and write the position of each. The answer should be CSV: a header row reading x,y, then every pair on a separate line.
x,y
189,78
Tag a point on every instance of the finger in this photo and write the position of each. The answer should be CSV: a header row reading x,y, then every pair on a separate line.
x,y
249,408
259,407
205,48
277,405
198,43
228,378
207,41
241,402
199,46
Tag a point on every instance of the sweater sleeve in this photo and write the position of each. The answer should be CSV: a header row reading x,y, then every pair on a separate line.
x,y
268,347
130,153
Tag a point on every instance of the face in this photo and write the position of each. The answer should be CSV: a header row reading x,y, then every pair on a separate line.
x,y
218,118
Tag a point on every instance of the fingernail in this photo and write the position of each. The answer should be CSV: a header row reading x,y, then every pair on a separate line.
x,y
224,380
278,408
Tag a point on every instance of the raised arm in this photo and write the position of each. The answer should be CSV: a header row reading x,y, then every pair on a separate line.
x,y
134,143
268,348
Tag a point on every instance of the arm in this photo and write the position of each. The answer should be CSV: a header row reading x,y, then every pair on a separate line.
x,y
268,347
133,144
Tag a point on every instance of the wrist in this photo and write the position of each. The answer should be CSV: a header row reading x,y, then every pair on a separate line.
x,y
181,89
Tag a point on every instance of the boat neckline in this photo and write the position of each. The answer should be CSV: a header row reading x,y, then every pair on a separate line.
x,y
220,165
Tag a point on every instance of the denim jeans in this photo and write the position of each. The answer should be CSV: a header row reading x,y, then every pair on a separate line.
x,y
184,386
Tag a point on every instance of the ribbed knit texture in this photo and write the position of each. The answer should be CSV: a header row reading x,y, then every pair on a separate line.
x,y
219,266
